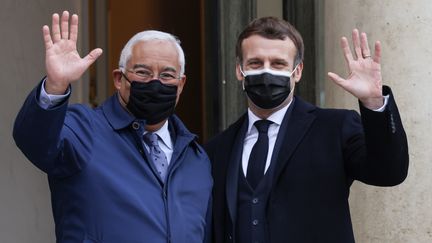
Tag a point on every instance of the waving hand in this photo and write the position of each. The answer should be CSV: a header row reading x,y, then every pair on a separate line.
x,y
62,61
364,80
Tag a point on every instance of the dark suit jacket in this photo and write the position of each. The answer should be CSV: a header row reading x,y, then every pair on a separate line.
x,y
322,151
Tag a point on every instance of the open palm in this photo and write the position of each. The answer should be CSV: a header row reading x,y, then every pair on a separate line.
x,y
364,80
62,60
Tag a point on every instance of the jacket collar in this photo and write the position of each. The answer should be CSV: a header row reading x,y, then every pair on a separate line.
x,y
237,132
117,116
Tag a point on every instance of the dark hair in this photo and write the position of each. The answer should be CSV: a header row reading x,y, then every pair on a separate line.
x,y
271,28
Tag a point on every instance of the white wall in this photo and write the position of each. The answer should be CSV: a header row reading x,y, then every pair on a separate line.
x,y
25,208
404,213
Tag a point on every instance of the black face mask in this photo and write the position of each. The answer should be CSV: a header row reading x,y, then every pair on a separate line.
x,y
152,101
267,90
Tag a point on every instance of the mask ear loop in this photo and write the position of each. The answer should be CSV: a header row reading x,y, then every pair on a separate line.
x,y
118,92
244,76
121,97
292,89
293,70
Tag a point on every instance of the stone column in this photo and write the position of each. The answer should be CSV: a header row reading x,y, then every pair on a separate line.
x,y
234,16
403,213
225,101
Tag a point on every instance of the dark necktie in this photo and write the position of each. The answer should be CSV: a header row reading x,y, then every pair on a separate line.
x,y
258,156
157,156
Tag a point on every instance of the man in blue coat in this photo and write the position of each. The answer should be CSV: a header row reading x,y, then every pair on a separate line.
x,y
128,171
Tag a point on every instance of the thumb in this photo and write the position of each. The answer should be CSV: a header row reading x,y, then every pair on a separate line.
x,y
92,56
337,79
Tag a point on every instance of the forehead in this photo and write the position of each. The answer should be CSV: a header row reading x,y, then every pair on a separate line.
x,y
155,53
260,47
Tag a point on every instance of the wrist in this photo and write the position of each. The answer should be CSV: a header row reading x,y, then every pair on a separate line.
x,y
55,88
373,103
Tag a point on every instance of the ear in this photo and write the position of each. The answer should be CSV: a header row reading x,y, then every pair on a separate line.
x,y
239,75
117,76
298,72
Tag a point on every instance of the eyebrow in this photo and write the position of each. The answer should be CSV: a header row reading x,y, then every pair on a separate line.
x,y
281,60
254,59
169,69
141,66
165,69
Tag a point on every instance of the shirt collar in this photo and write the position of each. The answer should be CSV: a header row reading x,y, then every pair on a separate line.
x,y
276,117
164,135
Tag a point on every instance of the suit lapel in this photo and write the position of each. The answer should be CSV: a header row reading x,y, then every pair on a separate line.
x,y
292,132
234,160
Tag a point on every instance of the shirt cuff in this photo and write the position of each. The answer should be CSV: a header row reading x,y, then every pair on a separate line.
x,y
382,108
47,101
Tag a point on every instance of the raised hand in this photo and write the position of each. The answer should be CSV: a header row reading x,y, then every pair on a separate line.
x,y
364,80
62,61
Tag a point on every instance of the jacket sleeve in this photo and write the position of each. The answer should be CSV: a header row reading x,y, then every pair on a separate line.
x,y
56,140
375,145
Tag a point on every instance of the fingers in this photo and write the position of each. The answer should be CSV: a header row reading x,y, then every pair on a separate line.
x,y
55,28
47,37
346,49
60,28
361,46
92,56
74,28
356,43
377,56
336,78
364,45
65,25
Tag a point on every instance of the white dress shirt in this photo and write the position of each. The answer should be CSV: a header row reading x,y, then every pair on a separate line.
x,y
252,136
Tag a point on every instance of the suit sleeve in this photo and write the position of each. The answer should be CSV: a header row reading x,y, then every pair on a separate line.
x,y
56,140
375,145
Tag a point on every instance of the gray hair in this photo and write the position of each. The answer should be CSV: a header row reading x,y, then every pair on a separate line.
x,y
147,36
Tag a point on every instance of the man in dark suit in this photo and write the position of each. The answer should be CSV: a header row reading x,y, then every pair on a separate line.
x,y
283,171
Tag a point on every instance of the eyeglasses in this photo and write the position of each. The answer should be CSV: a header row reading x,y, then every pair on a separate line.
x,y
146,75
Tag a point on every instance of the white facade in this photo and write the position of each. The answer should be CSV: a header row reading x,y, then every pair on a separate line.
x,y
403,213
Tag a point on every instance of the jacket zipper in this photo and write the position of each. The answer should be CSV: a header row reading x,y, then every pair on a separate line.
x,y
165,200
